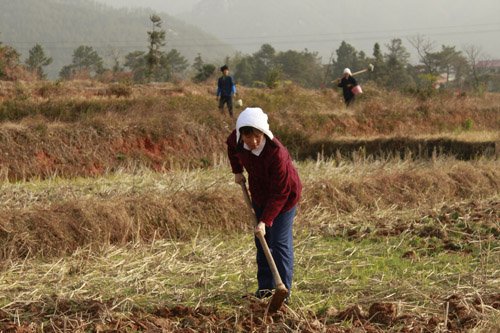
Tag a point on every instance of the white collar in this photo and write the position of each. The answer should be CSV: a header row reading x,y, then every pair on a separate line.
x,y
259,149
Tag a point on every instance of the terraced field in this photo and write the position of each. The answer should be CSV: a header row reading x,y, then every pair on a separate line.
x,y
118,214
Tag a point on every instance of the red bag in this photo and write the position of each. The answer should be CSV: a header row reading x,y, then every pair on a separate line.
x,y
357,90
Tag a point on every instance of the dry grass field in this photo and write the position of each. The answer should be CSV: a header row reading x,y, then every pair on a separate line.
x,y
118,212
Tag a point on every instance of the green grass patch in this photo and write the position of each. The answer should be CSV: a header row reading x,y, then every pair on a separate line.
x,y
220,270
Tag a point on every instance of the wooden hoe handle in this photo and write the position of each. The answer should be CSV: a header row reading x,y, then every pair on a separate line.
x,y
281,291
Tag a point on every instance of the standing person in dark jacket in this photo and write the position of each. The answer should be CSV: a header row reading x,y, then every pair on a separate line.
x,y
275,189
225,90
347,82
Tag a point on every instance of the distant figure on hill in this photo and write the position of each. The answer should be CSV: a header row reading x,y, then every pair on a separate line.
x,y
347,82
225,90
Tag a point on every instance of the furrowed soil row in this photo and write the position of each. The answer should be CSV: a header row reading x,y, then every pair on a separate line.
x,y
462,312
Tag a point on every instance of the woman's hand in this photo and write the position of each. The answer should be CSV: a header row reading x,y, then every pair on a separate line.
x,y
260,228
239,178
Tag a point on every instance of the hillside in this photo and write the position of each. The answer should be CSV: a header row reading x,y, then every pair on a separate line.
x,y
62,26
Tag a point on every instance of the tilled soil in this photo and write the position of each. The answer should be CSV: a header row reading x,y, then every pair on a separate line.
x,y
55,315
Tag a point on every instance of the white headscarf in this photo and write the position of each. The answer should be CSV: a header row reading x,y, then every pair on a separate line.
x,y
347,71
253,117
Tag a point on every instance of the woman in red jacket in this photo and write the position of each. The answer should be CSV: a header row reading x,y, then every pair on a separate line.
x,y
275,189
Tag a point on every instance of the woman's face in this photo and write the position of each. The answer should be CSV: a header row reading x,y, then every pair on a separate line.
x,y
253,139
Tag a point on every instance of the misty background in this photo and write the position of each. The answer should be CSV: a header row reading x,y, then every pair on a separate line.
x,y
217,29
321,25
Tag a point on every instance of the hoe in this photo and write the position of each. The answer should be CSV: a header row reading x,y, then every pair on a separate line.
x,y
281,291
370,68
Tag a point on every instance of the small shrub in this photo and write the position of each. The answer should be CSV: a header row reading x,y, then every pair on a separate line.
x,y
121,157
40,128
273,78
259,84
54,110
21,92
423,109
99,125
119,90
13,110
468,124
48,89
204,162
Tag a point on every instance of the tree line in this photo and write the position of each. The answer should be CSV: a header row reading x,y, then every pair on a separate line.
x,y
62,26
267,67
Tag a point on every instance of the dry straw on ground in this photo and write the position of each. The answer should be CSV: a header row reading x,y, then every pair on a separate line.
x,y
58,216
142,285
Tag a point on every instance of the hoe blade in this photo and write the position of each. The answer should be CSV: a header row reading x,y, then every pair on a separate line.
x,y
277,300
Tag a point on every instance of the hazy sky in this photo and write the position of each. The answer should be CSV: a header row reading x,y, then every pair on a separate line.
x,y
320,25
169,6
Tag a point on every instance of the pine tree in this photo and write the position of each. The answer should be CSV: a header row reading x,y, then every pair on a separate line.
x,y
202,71
205,72
378,63
396,62
172,63
37,60
347,57
263,62
198,63
244,70
85,61
157,38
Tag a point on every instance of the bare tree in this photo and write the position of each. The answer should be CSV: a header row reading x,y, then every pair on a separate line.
x,y
424,48
474,54
115,55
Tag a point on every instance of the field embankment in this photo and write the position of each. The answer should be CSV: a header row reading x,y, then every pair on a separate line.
x,y
56,217
59,130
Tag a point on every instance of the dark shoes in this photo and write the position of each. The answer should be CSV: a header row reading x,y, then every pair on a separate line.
x,y
265,293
